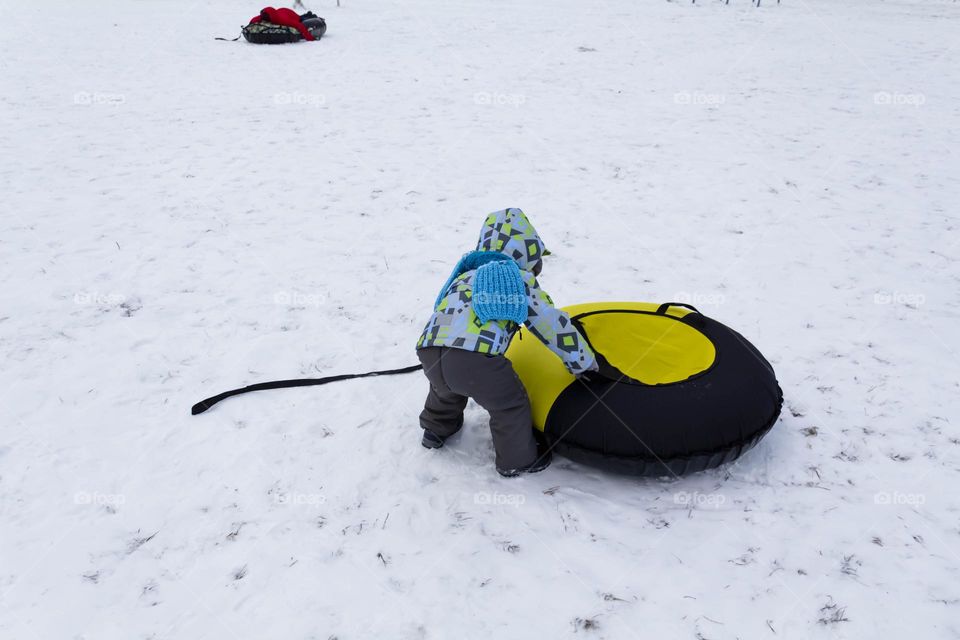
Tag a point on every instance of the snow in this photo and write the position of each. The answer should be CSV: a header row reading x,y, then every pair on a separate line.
x,y
183,216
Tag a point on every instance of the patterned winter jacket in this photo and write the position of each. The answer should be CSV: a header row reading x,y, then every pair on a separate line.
x,y
454,323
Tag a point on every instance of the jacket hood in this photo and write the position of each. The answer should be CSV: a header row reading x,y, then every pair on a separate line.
x,y
508,231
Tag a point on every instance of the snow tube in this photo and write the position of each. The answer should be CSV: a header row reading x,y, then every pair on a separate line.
x,y
679,392
280,26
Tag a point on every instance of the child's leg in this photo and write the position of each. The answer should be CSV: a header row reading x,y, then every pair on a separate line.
x,y
443,411
492,382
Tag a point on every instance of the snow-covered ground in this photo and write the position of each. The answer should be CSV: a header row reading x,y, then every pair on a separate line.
x,y
181,216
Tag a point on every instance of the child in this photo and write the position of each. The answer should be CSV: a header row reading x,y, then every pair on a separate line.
x,y
491,292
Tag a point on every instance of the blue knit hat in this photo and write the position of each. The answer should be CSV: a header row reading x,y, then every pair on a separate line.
x,y
468,262
499,292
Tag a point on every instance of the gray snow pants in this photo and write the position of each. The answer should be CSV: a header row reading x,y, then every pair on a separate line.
x,y
456,375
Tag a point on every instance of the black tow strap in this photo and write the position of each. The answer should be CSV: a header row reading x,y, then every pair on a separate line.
x,y
203,405
228,39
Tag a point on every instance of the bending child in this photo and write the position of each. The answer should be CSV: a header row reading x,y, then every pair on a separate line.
x,y
490,294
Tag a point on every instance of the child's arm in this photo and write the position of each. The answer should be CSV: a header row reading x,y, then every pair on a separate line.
x,y
554,328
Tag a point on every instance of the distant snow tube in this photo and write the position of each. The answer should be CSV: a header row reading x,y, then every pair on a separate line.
x,y
680,392
265,32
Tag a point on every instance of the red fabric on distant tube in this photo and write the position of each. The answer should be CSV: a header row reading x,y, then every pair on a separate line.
x,y
284,17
